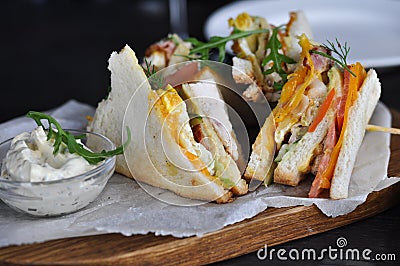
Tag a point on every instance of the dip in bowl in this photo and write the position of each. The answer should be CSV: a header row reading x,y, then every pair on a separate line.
x,y
58,196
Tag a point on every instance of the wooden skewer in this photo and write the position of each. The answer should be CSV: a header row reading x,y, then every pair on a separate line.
x,y
395,131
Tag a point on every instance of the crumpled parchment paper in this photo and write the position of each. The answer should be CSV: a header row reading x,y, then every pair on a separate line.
x,y
124,207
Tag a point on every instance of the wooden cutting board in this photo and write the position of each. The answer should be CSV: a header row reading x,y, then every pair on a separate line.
x,y
273,227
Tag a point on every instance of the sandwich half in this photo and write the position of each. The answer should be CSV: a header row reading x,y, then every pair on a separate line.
x,y
166,149
318,124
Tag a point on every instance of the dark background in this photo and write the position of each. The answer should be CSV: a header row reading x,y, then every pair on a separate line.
x,y
53,51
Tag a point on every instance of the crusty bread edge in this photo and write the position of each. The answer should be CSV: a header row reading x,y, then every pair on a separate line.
x,y
360,113
263,151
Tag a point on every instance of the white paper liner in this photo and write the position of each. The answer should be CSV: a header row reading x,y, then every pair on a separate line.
x,y
124,207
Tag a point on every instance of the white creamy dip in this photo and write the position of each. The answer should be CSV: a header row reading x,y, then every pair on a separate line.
x,y
31,159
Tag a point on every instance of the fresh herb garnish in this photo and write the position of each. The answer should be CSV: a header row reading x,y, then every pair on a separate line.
x,y
61,136
149,70
156,81
342,51
274,45
217,42
195,119
198,117
195,116
108,92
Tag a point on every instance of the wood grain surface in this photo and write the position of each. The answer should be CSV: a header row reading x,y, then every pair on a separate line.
x,y
271,227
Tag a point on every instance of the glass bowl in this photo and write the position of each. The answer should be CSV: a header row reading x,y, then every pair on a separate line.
x,y
58,197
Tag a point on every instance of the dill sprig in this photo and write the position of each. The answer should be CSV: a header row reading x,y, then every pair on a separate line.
x,y
217,42
108,92
342,51
156,81
62,136
149,70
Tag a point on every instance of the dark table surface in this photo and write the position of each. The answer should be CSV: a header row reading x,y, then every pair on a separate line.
x,y
53,51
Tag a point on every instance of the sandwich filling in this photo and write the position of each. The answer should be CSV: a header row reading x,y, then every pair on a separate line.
x,y
198,141
255,53
301,96
211,127
171,106
334,139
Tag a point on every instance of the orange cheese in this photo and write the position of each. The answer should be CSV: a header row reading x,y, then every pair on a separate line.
x,y
297,83
166,102
195,160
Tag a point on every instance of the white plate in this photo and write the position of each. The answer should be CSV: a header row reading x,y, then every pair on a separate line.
x,y
370,27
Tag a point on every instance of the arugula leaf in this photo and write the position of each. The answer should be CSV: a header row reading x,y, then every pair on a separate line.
x,y
217,42
69,140
274,45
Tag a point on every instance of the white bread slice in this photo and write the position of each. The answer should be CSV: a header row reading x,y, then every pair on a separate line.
x,y
146,157
210,104
216,109
126,76
231,144
157,155
204,99
297,162
359,114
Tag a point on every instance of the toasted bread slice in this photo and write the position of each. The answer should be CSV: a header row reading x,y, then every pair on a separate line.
x,y
360,114
297,161
263,152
